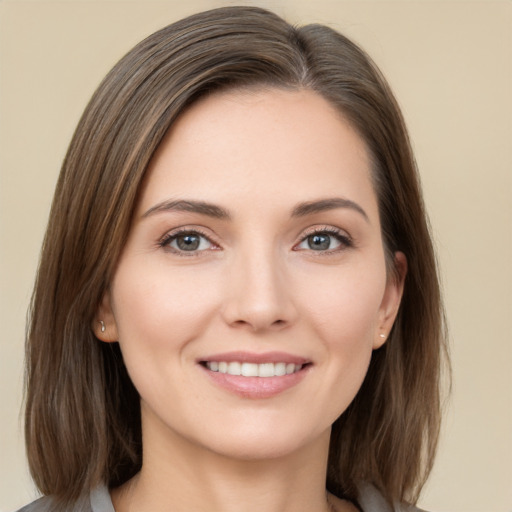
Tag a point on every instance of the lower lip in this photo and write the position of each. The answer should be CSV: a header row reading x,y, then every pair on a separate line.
x,y
256,387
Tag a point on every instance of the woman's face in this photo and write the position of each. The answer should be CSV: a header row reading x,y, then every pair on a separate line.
x,y
256,249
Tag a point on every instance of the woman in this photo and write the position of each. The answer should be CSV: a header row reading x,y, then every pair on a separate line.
x,y
237,305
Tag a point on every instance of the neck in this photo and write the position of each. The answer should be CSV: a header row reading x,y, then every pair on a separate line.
x,y
178,475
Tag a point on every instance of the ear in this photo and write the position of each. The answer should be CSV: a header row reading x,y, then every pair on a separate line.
x,y
104,323
391,299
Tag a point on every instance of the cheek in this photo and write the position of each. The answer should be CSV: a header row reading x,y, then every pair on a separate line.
x,y
346,306
156,307
344,314
344,309
158,312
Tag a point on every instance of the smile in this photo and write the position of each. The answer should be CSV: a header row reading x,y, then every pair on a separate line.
x,y
255,375
253,369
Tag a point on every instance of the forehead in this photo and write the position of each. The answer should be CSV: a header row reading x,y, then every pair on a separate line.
x,y
285,144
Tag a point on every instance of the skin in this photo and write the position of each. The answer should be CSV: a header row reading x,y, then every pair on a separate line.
x,y
257,283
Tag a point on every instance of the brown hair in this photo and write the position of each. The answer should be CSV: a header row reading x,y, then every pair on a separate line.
x,y
82,411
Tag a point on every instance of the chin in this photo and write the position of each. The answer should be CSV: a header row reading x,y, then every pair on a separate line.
x,y
264,442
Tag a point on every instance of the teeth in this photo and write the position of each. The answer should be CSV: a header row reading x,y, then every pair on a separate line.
x,y
266,370
280,369
249,370
253,369
234,368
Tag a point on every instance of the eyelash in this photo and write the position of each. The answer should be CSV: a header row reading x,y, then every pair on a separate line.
x,y
345,241
343,238
173,235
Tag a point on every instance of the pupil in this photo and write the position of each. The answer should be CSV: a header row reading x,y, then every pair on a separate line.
x,y
319,242
188,242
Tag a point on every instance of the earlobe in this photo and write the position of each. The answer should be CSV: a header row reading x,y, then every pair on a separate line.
x,y
391,299
104,323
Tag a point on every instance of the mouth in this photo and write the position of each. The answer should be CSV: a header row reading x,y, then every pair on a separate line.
x,y
245,369
256,376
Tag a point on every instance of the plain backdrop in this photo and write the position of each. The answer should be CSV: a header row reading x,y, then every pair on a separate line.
x,y
450,65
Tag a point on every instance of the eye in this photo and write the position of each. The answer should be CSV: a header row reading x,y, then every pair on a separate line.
x,y
324,241
187,242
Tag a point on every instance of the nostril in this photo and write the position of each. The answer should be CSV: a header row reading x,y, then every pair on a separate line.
x,y
257,312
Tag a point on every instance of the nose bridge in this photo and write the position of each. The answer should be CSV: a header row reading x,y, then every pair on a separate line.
x,y
258,290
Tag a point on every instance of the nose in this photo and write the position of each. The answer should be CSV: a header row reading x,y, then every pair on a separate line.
x,y
259,295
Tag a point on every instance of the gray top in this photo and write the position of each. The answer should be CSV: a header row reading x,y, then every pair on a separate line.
x,y
99,500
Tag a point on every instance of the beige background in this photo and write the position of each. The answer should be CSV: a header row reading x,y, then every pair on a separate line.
x,y
450,63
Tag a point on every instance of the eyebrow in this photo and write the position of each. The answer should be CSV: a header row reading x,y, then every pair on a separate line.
x,y
322,205
181,205
212,210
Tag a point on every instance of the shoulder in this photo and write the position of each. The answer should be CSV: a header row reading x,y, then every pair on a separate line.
x,y
97,501
48,504
371,500
40,505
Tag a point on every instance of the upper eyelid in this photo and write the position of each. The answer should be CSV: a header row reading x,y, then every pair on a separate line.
x,y
325,229
188,229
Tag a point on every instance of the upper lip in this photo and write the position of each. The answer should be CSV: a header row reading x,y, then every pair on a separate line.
x,y
257,358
